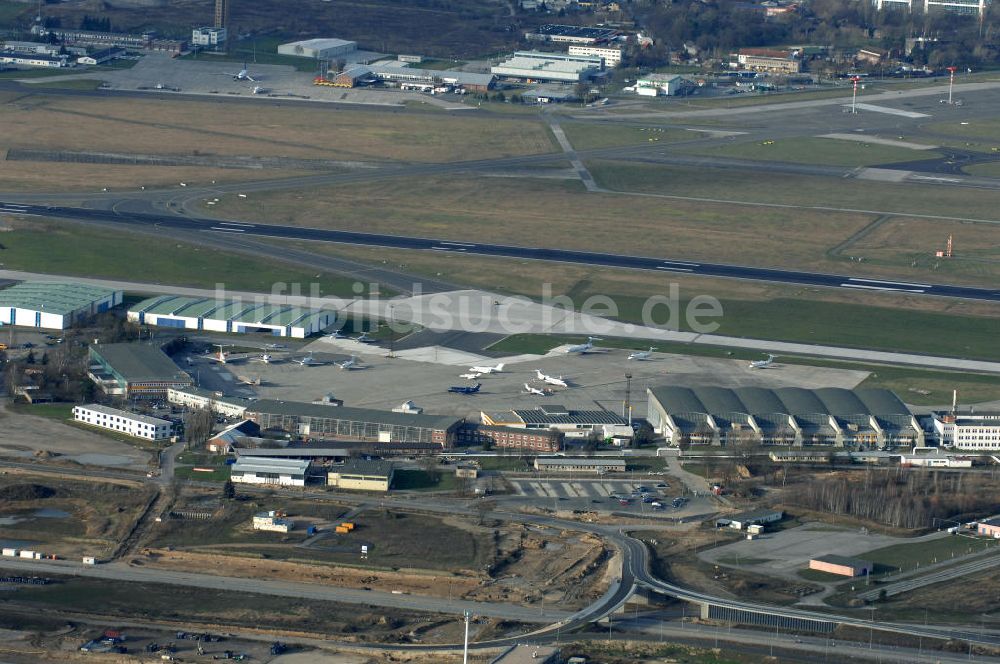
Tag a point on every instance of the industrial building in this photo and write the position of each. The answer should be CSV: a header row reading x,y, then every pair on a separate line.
x,y
360,424
360,475
283,472
33,59
102,56
572,423
784,417
537,66
970,431
752,518
989,527
571,34
612,56
769,60
54,306
225,441
977,7
270,521
654,85
196,398
842,565
514,438
134,371
122,421
594,466
320,49
254,446
219,315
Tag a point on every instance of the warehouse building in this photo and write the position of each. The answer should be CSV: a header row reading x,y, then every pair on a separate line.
x,y
122,421
217,315
842,565
571,34
359,424
753,518
784,417
196,398
54,306
571,423
320,49
360,475
283,472
134,371
537,66
769,60
655,85
33,59
969,431
102,56
592,466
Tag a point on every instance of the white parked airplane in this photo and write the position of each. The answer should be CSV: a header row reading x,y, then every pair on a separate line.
x,y
308,361
551,380
472,375
246,380
353,363
265,358
642,354
336,334
760,364
365,339
583,348
275,346
243,75
487,370
221,356
539,392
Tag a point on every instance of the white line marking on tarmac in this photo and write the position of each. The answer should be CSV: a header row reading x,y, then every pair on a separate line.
x,y
230,230
236,223
674,269
457,244
889,111
883,288
889,283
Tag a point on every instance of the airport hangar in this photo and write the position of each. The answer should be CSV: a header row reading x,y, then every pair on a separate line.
x,y
216,315
562,67
54,306
783,417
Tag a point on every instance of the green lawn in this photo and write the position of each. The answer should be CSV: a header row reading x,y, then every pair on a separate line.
x,y
220,473
814,151
70,249
990,170
52,411
910,556
504,463
588,136
75,84
421,480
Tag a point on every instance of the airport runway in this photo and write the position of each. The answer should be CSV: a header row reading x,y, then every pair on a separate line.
x,y
675,265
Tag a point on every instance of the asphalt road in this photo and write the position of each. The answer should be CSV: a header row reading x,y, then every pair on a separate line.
x,y
591,258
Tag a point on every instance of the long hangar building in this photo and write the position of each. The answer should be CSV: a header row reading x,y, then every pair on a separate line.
x,y
784,417
54,306
213,315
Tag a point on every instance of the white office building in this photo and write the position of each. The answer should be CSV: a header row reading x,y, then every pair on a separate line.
x,y
973,431
263,470
208,37
612,56
197,398
122,421
655,85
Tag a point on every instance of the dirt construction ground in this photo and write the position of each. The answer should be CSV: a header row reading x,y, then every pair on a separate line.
x,y
23,437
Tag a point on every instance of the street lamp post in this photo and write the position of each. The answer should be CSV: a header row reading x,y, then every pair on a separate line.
x,y
854,96
951,82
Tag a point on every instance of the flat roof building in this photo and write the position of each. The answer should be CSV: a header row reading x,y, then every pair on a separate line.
x,y
239,316
968,431
514,438
54,306
654,85
572,423
208,37
537,66
612,56
320,48
135,370
122,421
360,475
783,417
751,518
284,472
842,565
595,465
769,59
196,397
571,34
360,424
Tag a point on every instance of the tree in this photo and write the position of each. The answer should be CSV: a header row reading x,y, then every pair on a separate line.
x,y
229,490
198,426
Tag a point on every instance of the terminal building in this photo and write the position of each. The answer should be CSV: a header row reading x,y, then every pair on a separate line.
x,y
122,421
54,306
538,66
970,431
571,423
134,371
784,417
230,316
359,424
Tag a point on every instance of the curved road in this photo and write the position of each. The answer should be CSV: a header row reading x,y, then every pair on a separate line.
x,y
194,225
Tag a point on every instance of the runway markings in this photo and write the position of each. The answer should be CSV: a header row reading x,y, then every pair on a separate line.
x,y
889,283
230,230
889,111
674,269
883,288
457,244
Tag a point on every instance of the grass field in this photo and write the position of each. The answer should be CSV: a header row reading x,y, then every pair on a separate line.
x,y
171,126
421,480
814,151
554,213
75,84
9,11
83,251
587,136
910,556
991,170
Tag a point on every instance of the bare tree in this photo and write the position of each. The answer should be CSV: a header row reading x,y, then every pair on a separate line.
x,y
198,426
